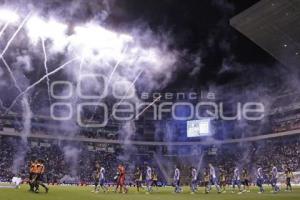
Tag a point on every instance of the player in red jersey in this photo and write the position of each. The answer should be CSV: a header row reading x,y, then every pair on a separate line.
x,y
121,179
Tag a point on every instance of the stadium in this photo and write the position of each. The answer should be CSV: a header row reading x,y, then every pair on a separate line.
x,y
149,99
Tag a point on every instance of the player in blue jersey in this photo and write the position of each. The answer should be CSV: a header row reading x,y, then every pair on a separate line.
x,y
193,180
102,179
149,179
177,180
274,178
260,180
236,181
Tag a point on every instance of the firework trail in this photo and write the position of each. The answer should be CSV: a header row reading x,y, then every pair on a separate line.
x,y
46,67
4,28
153,102
16,33
109,79
116,66
2,105
11,74
39,81
81,64
132,84
7,46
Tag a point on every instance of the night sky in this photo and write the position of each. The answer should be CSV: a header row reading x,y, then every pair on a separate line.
x,y
200,28
210,52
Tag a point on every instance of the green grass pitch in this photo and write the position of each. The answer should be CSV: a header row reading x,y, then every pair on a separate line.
x,y
84,193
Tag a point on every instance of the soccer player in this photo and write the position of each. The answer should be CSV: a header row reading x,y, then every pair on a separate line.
x,y
17,180
177,180
148,179
154,178
223,181
206,179
138,178
236,181
260,180
121,179
193,180
96,177
102,179
274,177
32,167
213,178
289,175
245,180
39,176
33,180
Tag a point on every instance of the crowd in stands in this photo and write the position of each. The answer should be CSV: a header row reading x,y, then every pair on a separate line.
x,y
67,162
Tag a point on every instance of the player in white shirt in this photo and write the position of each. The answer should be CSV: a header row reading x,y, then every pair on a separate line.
x,y
193,180
260,180
274,178
213,178
177,180
102,179
236,181
149,179
16,181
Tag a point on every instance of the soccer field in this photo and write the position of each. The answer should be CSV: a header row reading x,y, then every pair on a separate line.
x,y
84,193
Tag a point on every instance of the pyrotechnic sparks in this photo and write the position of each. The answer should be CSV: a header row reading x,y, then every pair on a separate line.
x,y
46,67
11,74
4,28
144,110
2,105
127,91
131,86
15,33
8,16
38,82
116,66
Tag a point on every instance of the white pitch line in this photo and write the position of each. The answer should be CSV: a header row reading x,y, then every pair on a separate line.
x,y
39,81
46,67
15,33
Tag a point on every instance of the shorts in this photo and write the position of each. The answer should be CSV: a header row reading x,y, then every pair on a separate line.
x,y
273,181
259,182
245,182
288,181
214,181
223,183
154,183
148,181
101,182
236,182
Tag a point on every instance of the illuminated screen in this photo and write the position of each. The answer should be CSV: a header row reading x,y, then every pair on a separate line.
x,y
198,128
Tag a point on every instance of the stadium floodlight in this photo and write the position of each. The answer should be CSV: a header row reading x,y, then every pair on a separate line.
x,y
7,15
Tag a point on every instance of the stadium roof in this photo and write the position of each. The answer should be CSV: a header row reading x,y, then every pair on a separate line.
x,y
274,25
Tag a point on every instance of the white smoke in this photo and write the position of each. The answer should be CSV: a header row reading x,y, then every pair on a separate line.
x,y
71,156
